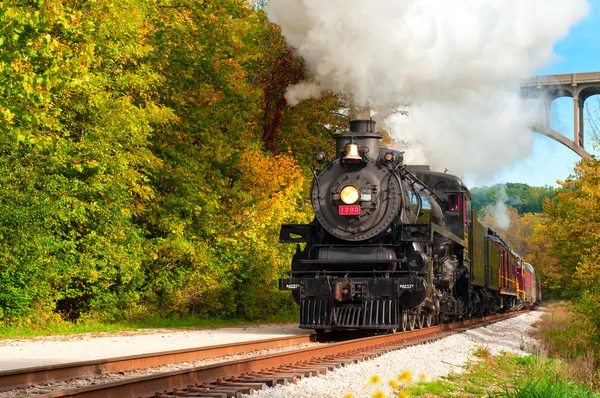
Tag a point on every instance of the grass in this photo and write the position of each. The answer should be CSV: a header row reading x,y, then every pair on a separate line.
x,y
561,333
59,327
482,352
565,365
506,376
545,389
566,337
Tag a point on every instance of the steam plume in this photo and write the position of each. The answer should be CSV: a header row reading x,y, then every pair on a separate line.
x,y
299,92
457,63
500,210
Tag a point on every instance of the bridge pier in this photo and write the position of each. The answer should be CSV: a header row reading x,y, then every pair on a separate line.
x,y
577,122
545,110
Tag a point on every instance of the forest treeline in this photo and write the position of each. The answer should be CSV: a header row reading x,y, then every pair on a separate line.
x,y
148,158
522,197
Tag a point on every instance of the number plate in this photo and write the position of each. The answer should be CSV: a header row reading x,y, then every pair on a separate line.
x,y
349,210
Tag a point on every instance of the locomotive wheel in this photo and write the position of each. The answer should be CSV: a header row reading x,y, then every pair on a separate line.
x,y
425,319
412,321
403,320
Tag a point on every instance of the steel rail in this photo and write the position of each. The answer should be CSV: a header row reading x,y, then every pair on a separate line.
x,y
155,385
19,378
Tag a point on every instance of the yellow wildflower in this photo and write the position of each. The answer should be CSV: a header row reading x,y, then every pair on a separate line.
x,y
348,396
378,394
374,379
402,394
422,376
394,384
405,376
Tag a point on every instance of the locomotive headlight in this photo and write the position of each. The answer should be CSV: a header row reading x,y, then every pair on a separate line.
x,y
349,194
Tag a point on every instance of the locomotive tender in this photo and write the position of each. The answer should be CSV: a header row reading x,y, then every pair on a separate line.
x,y
395,247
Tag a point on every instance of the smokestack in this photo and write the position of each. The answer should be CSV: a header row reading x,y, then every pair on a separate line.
x,y
362,126
362,133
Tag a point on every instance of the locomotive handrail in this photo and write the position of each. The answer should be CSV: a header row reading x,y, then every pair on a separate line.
x,y
416,179
398,260
348,245
401,272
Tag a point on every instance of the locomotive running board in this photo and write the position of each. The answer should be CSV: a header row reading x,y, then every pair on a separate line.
x,y
294,233
298,233
425,232
447,234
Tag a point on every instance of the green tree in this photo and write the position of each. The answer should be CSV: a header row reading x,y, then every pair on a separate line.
x,y
524,198
74,161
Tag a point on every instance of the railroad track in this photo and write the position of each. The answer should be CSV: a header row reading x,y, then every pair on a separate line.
x,y
233,378
20,378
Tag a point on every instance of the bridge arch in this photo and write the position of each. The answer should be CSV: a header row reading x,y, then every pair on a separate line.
x,y
558,137
546,89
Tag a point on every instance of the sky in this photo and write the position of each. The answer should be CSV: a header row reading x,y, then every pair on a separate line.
x,y
551,161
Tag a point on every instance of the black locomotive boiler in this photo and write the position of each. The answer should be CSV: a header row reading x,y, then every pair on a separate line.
x,y
391,247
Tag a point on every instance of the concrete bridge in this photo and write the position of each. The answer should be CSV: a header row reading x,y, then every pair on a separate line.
x,y
579,86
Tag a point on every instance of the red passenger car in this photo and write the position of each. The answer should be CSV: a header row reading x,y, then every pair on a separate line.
x,y
520,279
507,262
533,293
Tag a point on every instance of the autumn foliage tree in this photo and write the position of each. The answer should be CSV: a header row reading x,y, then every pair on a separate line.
x,y
563,242
574,227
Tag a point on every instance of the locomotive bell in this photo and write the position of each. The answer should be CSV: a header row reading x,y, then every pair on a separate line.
x,y
352,154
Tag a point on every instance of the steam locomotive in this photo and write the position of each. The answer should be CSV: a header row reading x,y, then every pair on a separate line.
x,y
395,247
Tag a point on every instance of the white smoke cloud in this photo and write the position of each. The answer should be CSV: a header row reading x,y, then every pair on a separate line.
x,y
500,210
457,63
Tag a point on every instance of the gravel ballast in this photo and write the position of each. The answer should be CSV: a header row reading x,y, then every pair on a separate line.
x,y
431,361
